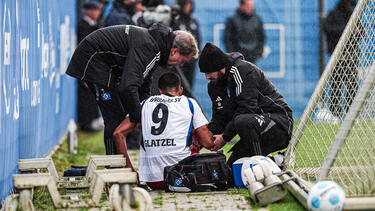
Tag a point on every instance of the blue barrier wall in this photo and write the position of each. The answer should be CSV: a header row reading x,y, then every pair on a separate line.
x,y
291,29
37,99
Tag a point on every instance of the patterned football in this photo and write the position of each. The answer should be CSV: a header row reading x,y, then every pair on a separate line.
x,y
327,196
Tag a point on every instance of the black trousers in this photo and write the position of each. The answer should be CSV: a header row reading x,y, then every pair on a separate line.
x,y
87,108
259,135
113,112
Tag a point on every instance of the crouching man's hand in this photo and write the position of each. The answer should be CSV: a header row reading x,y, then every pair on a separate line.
x,y
218,143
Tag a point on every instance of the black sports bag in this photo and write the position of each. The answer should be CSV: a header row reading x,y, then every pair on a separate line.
x,y
198,172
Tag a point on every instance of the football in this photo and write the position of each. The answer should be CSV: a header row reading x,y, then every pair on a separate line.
x,y
326,195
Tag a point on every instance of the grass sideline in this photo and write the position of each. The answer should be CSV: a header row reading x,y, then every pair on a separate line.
x,y
92,144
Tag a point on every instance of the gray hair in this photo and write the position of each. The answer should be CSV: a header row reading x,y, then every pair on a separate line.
x,y
186,43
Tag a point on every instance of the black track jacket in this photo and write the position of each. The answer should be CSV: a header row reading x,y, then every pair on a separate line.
x,y
250,92
222,111
123,57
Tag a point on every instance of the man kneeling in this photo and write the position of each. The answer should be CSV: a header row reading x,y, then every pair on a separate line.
x,y
167,123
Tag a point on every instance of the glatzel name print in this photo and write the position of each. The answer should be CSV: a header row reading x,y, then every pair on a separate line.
x,y
159,142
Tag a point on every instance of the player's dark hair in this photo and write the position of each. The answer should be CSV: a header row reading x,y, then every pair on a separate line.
x,y
169,81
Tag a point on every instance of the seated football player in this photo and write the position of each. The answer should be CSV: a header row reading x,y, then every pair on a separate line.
x,y
167,122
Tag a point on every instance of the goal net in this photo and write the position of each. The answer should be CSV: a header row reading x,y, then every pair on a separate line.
x,y
335,137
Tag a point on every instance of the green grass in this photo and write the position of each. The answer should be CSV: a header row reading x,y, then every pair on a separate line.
x,y
317,139
356,154
159,199
42,199
88,144
288,203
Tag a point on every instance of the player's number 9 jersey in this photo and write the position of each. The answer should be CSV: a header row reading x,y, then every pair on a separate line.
x,y
166,126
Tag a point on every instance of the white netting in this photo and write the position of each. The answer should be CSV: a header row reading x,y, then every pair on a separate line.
x,y
344,76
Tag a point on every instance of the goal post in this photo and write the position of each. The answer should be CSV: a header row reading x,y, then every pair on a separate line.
x,y
335,137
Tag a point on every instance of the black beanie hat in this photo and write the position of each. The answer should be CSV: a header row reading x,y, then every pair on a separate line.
x,y
212,59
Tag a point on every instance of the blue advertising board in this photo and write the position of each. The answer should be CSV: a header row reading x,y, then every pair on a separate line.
x,y
37,99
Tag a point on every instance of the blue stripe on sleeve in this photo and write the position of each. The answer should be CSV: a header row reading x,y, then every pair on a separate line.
x,y
191,122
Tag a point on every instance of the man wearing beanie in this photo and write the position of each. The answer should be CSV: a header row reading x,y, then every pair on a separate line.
x,y
258,112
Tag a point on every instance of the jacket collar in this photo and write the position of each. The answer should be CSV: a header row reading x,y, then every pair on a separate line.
x,y
233,57
164,38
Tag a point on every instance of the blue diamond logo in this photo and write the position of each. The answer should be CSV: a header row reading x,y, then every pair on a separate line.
x,y
106,96
315,202
178,182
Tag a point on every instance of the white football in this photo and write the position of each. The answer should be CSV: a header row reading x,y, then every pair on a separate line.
x,y
327,196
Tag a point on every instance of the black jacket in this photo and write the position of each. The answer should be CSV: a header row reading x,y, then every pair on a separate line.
x,y
335,23
222,111
84,29
123,57
245,34
250,92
